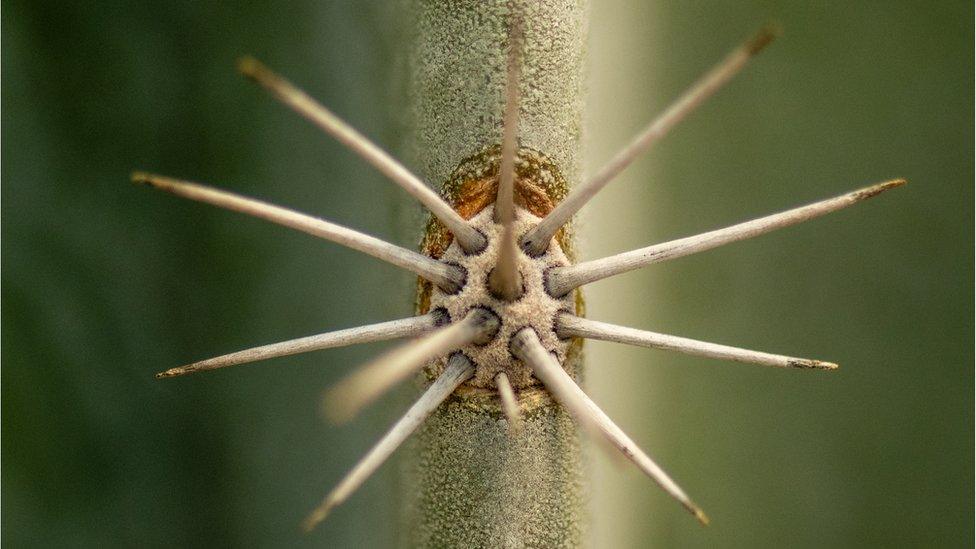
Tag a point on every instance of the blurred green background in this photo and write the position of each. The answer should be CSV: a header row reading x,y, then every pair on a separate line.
x,y
105,283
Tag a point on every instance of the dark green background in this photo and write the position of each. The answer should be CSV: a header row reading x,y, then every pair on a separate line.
x,y
105,283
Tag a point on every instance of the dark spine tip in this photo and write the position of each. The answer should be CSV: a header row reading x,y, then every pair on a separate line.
x,y
701,517
806,364
875,190
769,32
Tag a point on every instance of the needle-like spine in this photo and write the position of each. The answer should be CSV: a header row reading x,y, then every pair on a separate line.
x,y
510,405
347,397
459,369
470,239
537,240
568,325
447,277
526,346
561,280
504,280
404,327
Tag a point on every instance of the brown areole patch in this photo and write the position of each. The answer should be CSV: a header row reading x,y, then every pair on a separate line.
x,y
473,186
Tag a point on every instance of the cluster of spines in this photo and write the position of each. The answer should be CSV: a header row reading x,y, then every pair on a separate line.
x,y
436,336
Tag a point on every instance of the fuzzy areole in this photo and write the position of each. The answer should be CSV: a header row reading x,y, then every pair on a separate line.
x,y
535,309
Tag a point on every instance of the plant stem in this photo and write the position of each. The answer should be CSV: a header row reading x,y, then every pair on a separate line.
x,y
469,482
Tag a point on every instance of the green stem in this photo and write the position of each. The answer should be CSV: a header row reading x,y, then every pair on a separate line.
x,y
468,481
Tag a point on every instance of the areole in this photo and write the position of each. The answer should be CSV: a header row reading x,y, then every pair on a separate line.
x,y
471,190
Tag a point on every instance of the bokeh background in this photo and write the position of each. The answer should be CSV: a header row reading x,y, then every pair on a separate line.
x,y
105,283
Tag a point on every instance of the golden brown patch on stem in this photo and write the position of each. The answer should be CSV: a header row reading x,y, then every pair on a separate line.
x,y
539,186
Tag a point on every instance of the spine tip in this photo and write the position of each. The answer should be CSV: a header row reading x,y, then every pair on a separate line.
x,y
140,178
701,517
768,33
875,190
250,67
